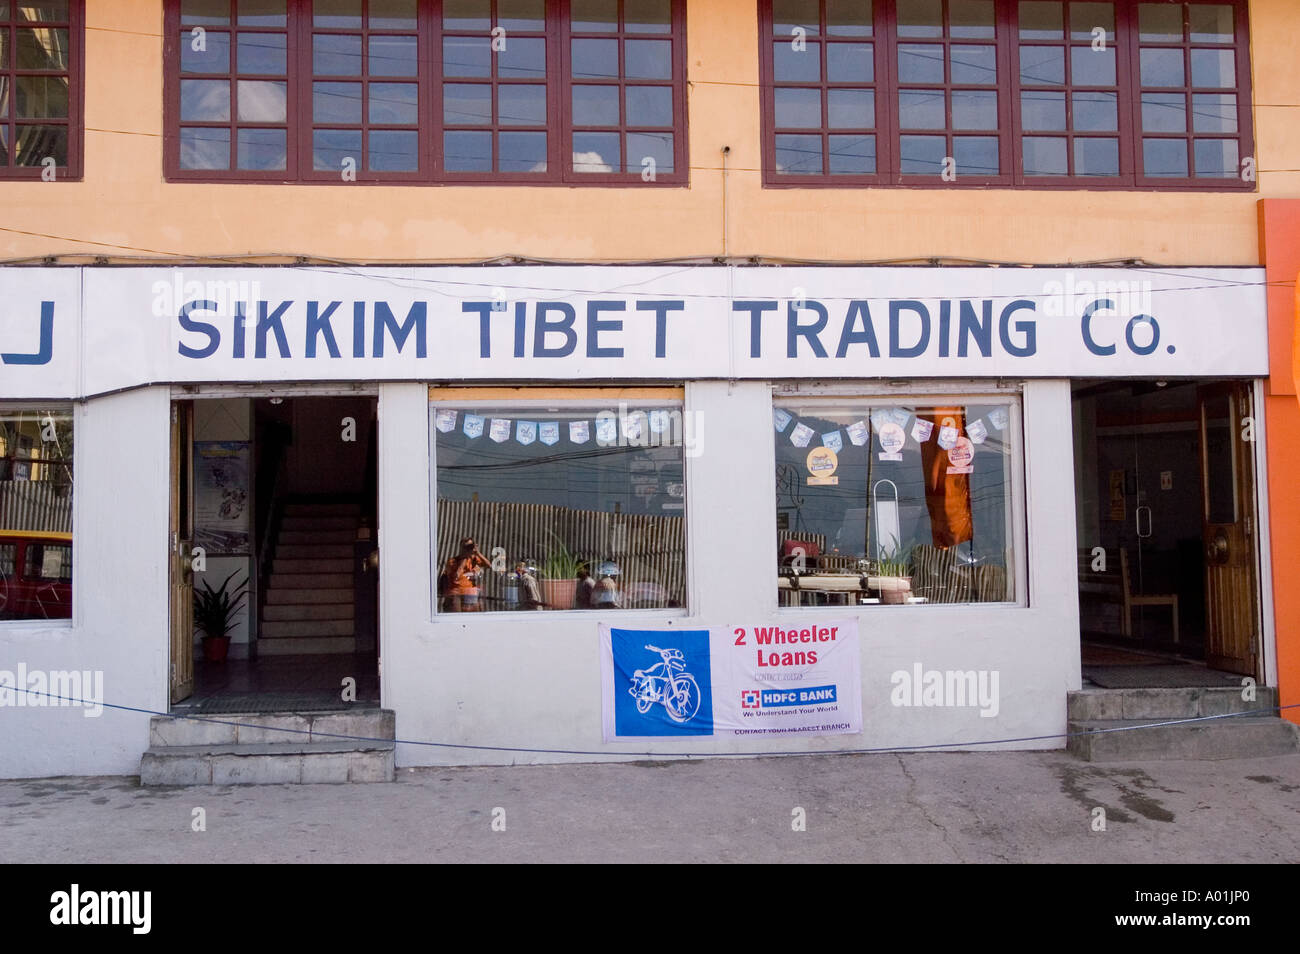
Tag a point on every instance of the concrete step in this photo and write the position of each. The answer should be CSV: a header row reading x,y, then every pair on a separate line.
x,y
300,508
1234,737
276,629
314,551
318,522
269,763
310,581
312,565
315,537
306,645
301,611
365,722
1092,704
315,595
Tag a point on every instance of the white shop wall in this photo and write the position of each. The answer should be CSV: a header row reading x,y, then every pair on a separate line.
x,y
119,622
533,680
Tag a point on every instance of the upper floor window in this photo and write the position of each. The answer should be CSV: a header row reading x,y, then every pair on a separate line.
x,y
1120,94
536,91
40,94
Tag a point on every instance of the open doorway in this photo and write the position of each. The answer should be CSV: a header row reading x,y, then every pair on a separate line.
x,y
1165,508
274,531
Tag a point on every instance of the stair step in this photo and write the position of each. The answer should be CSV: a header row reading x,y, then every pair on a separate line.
x,y
310,566
310,596
318,522
314,551
247,727
303,611
306,645
1091,704
310,581
1236,737
300,508
314,537
269,763
280,629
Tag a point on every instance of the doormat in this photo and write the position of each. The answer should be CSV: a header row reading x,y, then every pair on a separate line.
x,y
320,700
1183,676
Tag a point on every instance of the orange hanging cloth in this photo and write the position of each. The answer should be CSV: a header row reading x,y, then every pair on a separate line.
x,y
947,496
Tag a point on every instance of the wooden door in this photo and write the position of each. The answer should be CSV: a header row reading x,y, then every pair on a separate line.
x,y
180,539
1228,489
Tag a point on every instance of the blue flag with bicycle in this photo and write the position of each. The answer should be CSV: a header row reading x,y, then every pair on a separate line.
x,y
662,682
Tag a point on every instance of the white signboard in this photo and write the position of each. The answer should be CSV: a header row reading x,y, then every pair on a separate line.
x,y
76,332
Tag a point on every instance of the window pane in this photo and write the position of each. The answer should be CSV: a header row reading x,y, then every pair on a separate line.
x,y
920,18
527,15
467,15
394,151
976,155
799,155
595,59
789,15
655,147
394,103
396,55
597,152
647,16
1162,67
261,101
649,105
332,147
392,14
41,49
849,63
262,53
337,13
848,17
336,102
205,12
467,151
921,109
523,58
4,102
1217,158
1211,23
46,11
595,16
798,108
205,148
1045,156
1042,65
588,518
205,100
213,58
261,149
35,144
851,108
922,155
920,63
1089,67
262,13
974,109
893,503
975,65
1041,20
334,55
465,104
595,105
648,59
1214,68
1085,18
1164,112
1042,110
520,105
1160,22
797,66
466,56
853,155
1096,157
41,97
971,18
1164,158
1214,112
1095,112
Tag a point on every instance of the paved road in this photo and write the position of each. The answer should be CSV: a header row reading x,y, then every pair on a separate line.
x,y
986,807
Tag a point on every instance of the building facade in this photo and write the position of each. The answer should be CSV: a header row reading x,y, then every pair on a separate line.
x,y
959,327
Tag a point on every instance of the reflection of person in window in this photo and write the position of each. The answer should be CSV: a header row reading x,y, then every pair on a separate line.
x,y
530,596
461,575
586,589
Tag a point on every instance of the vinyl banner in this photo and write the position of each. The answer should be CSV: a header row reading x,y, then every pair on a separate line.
x,y
749,679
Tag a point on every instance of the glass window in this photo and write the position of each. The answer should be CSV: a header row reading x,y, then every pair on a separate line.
x,y
40,102
559,507
892,503
36,449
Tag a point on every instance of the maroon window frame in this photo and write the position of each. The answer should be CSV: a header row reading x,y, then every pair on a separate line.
x,y
473,121
35,125
1066,117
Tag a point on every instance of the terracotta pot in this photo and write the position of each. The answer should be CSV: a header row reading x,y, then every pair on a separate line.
x,y
215,648
559,594
895,589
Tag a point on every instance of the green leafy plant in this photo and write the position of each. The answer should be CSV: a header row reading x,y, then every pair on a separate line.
x,y
560,562
214,610
893,560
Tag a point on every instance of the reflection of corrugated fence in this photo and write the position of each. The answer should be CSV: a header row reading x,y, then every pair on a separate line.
x,y
34,505
649,549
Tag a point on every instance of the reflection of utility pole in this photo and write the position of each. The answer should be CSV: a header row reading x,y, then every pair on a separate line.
x,y
866,529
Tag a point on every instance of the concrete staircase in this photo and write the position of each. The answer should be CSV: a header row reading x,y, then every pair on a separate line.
x,y
1237,737
310,602
256,749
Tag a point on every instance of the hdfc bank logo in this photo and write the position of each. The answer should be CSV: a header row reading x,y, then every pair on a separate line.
x,y
751,699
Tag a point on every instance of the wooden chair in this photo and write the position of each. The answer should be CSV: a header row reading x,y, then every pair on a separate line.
x,y
1114,585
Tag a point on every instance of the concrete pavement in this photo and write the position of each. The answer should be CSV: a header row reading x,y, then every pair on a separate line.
x,y
933,807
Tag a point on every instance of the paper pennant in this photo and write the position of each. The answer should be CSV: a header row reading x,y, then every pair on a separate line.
x,y
948,437
781,419
977,432
548,432
526,432
606,430
499,429
445,420
998,417
921,430
473,426
859,433
801,435
659,421
632,425
834,441
899,415
579,432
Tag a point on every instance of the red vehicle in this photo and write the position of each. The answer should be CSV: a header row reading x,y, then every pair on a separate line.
x,y
35,575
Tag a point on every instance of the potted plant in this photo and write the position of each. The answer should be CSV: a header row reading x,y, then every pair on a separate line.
x,y
559,576
894,582
214,615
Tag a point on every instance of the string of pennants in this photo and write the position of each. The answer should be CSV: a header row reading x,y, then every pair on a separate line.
x,y
607,428
890,426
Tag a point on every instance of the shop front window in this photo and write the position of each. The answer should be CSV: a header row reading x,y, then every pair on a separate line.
x,y
879,502
36,514
559,506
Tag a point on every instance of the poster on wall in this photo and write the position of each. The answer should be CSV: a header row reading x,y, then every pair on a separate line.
x,y
749,679
221,496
